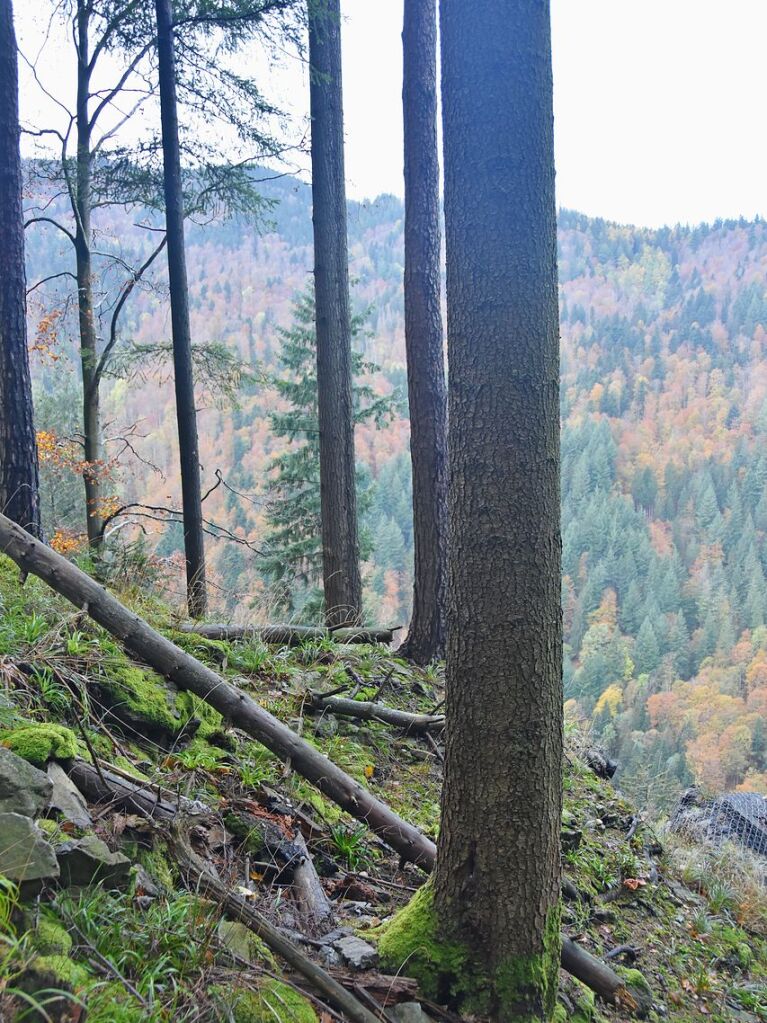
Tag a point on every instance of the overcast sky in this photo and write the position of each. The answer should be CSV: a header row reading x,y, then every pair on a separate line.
x,y
659,104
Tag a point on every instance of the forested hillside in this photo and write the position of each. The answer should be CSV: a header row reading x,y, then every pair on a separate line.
x,y
664,404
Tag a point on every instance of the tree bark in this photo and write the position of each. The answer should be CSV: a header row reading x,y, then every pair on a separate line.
x,y
497,880
81,207
338,496
186,412
411,724
19,491
427,395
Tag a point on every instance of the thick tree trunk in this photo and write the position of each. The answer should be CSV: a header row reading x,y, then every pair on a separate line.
x,y
19,494
81,201
497,880
186,412
427,396
338,496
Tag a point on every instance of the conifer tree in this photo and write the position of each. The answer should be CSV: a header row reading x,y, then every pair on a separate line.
x,y
293,543
19,493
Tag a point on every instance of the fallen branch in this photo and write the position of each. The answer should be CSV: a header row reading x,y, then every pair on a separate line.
x,y
187,673
143,642
410,723
287,635
238,908
595,974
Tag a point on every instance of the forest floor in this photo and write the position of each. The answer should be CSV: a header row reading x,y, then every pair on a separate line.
x,y
145,945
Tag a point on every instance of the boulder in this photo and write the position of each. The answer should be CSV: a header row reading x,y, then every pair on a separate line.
x,y
739,817
67,798
23,788
408,1012
25,854
89,860
356,952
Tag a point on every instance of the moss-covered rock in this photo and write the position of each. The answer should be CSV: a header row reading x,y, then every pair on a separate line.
x,y
273,1000
638,988
139,699
448,972
39,743
51,939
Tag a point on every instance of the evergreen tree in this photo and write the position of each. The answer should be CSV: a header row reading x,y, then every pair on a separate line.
x,y
646,649
293,543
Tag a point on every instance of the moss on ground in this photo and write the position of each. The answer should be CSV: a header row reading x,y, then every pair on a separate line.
x,y
39,743
51,938
272,1001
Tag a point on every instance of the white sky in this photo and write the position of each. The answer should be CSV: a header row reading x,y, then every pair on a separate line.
x,y
659,104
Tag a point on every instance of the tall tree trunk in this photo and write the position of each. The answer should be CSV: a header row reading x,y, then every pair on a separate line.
x,y
186,413
338,496
19,494
92,444
425,640
497,878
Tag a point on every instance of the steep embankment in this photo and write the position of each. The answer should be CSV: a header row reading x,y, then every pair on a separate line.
x,y
146,944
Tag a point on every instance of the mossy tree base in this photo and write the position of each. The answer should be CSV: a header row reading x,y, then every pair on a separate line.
x,y
522,989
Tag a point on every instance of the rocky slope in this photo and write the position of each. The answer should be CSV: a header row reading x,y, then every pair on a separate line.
x,y
102,911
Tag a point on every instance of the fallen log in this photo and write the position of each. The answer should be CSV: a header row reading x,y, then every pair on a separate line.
x,y
237,907
287,635
186,672
410,723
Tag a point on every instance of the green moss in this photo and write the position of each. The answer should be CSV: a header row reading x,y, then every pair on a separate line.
x,y
111,1003
527,983
39,743
155,863
139,693
51,939
65,970
447,971
638,988
189,706
272,1001
410,937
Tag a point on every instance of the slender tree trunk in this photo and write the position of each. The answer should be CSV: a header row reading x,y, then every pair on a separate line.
x,y
497,879
19,494
425,640
186,412
338,496
92,441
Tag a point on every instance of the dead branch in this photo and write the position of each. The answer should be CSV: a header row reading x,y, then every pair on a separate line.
x,y
237,907
410,723
287,635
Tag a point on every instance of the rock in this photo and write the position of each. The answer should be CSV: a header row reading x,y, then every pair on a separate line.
x,y
88,860
356,952
242,941
144,884
67,798
23,788
602,765
739,817
408,1012
25,854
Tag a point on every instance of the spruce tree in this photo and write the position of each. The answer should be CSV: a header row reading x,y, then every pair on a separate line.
x,y
293,543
